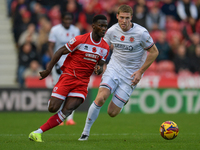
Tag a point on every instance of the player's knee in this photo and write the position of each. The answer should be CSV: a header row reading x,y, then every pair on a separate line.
x,y
52,109
100,101
112,113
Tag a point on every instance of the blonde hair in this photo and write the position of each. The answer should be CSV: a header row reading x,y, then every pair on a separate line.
x,y
126,9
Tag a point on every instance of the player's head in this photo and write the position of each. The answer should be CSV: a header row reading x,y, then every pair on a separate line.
x,y
124,16
99,25
67,19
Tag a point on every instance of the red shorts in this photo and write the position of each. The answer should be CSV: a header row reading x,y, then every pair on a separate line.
x,y
69,86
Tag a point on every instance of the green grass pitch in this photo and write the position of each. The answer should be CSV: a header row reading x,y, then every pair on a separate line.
x,y
133,131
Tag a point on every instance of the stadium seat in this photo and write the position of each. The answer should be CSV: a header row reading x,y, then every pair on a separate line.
x,y
166,68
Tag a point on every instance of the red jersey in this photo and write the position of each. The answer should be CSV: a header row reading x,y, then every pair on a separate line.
x,y
85,53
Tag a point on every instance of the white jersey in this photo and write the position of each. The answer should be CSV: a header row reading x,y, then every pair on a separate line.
x,y
60,36
129,52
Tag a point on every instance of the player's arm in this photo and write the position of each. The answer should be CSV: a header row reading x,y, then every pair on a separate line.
x,y
99,67
50,48
153,53
62,51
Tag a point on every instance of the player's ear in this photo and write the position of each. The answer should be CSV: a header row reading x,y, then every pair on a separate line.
x,y
93,26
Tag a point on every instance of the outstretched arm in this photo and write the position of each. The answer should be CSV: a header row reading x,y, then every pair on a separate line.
x,y
153,53
63,50
50,48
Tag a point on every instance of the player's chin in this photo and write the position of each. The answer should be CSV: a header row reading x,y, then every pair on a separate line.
x,y
102,34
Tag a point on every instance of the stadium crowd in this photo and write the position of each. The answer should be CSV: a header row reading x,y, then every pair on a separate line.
x,y
173,24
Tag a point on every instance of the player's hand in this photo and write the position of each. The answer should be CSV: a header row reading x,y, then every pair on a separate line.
x,y
44,74
137,76
98,69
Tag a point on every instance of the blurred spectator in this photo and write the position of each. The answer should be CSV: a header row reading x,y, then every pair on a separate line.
x,y
112,12
55,15
195,60
85,18
195,40
72,6
33,70
141,3
48,4
155,19
164,49
44,29
181,60
169,9
27,53
37,11
29,35
198,8
139,15
186,10
21,19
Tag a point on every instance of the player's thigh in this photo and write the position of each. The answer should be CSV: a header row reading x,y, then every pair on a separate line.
x,y
107,87
54,104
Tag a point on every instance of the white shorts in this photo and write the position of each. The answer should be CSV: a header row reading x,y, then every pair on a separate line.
x,y
120,89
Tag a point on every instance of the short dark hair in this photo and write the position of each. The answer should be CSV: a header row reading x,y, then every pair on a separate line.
x,y
125,9
98,17
67,14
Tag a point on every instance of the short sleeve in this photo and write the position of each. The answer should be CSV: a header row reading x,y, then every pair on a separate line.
x,y
52,36
107,37
146,40
73,43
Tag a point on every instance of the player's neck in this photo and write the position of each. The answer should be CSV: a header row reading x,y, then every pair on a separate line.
x,y
95,37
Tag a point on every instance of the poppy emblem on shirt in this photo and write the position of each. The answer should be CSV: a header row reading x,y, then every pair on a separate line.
x,y
94,49
67,34
122,38
131,39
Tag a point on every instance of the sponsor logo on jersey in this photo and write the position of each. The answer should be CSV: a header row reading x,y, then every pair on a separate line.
x,y
131,39
91,57
86,47
122,38
124,47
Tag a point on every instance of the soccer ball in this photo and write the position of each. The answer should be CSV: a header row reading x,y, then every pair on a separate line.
x,y
169,130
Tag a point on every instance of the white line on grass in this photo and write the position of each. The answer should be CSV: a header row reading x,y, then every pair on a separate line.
x,y
96,134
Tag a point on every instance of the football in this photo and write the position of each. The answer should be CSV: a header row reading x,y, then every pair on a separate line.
x,y
169,130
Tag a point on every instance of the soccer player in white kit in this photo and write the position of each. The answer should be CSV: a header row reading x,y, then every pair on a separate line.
x,y
59,35
128,62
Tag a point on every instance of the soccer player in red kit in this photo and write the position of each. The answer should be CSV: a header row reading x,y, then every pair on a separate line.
x,y
86,54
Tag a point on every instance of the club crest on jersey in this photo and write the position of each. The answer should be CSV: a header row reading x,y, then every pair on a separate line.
x,y
122,38
55,89
131,39
101,52
94,49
